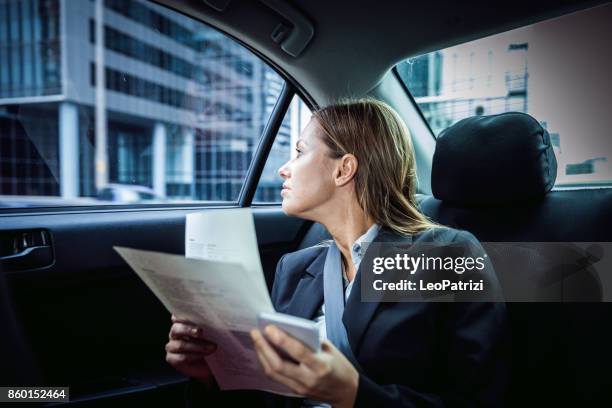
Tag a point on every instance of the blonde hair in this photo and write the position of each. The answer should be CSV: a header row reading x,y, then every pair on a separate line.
x,y
385,182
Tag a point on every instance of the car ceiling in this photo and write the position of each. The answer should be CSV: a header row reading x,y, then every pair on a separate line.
x,y
355,43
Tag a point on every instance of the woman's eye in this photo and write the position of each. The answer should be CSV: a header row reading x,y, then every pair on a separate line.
x,y
299,152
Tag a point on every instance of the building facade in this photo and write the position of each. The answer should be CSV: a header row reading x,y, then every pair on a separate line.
x,y
184,105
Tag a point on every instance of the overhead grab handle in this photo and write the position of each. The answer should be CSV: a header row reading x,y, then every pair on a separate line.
x,y
292,40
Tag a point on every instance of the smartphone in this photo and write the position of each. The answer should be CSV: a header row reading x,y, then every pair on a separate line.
x,y
304,330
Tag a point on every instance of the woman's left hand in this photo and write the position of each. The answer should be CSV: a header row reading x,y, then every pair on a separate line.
x,y
325,376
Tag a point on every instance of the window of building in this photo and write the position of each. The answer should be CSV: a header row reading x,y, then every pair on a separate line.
x,y
183,106
554,70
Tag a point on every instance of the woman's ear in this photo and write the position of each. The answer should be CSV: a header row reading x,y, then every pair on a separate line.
x,y
345,170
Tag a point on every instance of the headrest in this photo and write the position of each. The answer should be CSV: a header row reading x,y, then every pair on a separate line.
x,y
493,160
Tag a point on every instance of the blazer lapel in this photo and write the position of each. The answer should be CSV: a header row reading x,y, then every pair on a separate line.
x,y
308,294
357,314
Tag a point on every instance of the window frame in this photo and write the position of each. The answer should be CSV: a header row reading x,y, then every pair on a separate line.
x,y
413,101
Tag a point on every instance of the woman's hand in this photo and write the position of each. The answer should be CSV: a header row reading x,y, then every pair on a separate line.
x,y
186,351
325,376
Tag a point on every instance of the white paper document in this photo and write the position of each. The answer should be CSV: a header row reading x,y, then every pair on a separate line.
x,y
228,236
220,292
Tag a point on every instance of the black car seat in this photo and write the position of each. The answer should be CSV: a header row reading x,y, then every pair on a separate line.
x,y
492,176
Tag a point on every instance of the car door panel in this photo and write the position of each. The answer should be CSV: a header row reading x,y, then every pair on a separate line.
x,y
88,320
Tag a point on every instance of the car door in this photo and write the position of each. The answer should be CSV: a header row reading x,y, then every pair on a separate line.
x,y
163,103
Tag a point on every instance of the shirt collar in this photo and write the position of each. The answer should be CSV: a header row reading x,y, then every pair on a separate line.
x,y
360,245
368,237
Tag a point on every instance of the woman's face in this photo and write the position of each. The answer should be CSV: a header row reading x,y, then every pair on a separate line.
x,y
309,182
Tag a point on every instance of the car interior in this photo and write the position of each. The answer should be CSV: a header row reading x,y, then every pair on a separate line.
x,y
73,313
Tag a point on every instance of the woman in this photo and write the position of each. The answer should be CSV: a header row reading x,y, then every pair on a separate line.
x,y
355,174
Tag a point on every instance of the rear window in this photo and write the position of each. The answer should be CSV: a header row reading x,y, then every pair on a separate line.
x,y
557,71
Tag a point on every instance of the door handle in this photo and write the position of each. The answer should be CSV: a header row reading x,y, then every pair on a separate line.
x,y
23,250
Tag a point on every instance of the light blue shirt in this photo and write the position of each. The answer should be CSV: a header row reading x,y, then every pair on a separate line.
x,y
358,249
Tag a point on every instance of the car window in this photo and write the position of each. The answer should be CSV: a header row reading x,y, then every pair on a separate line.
x,y
283,149
174,115
556,70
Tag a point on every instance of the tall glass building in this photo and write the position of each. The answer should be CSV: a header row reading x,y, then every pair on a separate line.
x,y
185,106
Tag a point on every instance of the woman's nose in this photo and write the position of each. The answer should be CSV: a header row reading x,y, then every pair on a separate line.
x,y
284,171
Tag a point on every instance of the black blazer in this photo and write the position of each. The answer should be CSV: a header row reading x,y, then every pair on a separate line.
x,y
412,354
